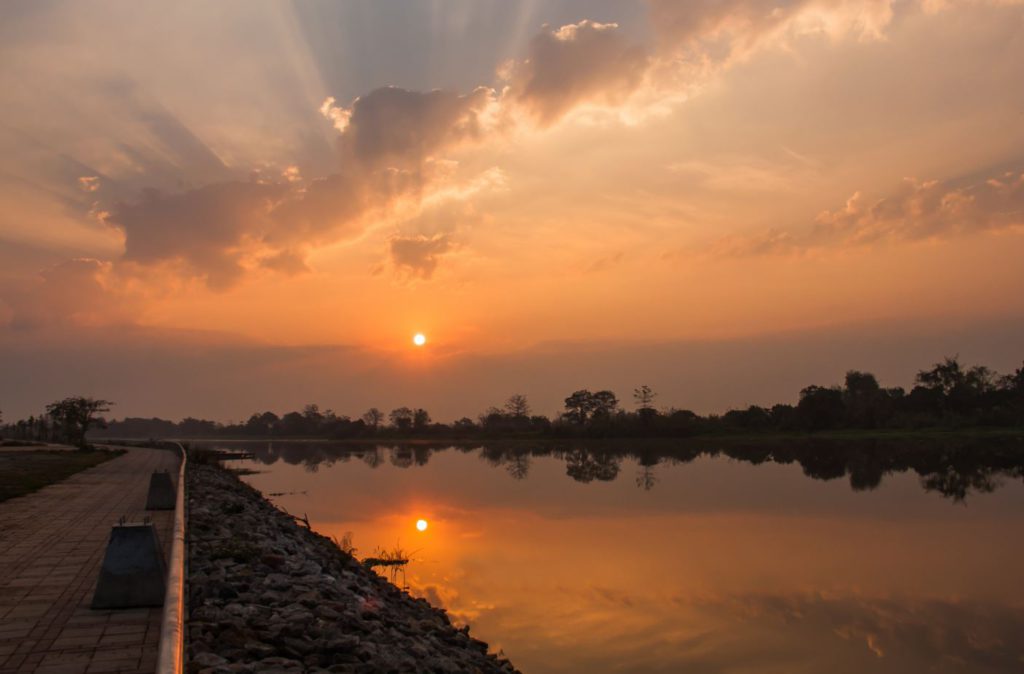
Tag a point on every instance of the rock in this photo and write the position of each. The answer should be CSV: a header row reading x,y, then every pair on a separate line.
x,y
278,581
342,643
204,660
259,650
287,600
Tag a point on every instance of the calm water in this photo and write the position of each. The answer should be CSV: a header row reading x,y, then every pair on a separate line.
x,y
804,558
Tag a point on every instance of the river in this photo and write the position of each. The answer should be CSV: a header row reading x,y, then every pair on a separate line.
x,y
654,557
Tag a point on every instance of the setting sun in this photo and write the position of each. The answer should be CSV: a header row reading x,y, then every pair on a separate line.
x,y
419,339
421,525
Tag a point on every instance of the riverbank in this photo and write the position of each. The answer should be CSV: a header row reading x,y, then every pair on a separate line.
x,y
511,439
266,594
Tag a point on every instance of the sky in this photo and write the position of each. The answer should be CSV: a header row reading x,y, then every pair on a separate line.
x,y
210,209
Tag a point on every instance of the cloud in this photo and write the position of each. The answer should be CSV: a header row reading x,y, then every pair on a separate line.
x,y
397,128
605,263
419,254
339,116
89,183
289,262
394,144
977,635
80,291
207,229
719,31
577,63
391,151
919,210
916,210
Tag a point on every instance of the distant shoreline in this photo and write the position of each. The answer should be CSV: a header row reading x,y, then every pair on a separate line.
x,y
760,436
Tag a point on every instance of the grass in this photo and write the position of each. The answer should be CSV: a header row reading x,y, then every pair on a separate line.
x,y
393,561
25,472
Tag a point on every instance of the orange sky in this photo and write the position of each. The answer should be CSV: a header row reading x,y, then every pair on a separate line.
x,y
500,175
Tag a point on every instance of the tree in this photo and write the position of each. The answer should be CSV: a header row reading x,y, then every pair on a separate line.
x,y
464,424
401,418
262,424
420,419
820,407
962,388
864,399
373,418
1014,383
579,406
492,419
644,397
605,403
517,406
313,418
943,377
76,415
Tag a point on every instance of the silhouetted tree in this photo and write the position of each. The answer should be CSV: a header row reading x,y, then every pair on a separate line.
x,y
517,406
401,418
864,400
644,399
943,377
463,425
74,416
420,419
579,406
604,405
820,408
373,418
262,424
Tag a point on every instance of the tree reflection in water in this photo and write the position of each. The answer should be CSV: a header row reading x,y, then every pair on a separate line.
x,y
954,468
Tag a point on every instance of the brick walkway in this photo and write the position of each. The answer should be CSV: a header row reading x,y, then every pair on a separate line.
x,y
51,546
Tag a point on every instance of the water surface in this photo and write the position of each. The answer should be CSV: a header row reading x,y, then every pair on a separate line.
x,y
823,557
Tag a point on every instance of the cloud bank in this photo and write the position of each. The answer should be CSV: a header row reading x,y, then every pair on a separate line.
x,y
916,210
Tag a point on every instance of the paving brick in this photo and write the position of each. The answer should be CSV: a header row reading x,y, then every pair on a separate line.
x,y
52,545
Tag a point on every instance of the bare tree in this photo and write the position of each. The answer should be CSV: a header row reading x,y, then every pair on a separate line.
x,y
517,406
644,397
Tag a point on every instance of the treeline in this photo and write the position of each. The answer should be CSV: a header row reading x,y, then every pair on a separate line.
x,y
949,395
953,466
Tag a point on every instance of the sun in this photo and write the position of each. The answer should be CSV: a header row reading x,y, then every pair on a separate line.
x,y
419,339
421,525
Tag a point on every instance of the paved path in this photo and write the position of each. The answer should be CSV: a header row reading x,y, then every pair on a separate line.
x,y
51,546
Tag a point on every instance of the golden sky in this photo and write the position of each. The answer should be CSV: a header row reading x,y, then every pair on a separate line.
x,y
216,184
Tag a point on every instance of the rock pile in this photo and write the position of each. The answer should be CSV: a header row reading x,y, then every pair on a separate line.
x,y
268,595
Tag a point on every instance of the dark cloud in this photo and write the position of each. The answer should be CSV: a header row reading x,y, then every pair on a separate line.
x,y
206,228
577,63
419,254
397,128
